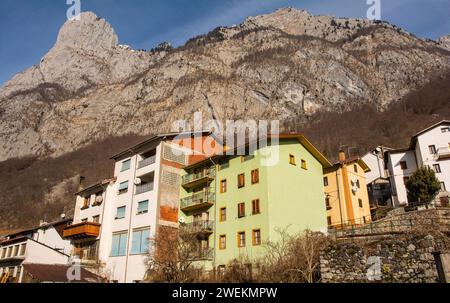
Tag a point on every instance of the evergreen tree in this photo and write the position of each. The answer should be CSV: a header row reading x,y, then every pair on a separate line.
x,y
423,186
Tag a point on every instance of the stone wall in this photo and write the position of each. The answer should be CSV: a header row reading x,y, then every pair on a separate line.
x,y
392,260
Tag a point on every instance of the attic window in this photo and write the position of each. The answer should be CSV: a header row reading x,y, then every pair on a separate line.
x,y
445,130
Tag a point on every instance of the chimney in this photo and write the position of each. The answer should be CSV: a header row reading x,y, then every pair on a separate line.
x,y
342,156
81,183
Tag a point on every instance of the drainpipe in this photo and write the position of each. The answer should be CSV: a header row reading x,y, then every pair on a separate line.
x,y
339,198
129,240
215,213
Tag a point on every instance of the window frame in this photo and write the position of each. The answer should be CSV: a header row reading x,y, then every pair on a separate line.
x,y
304,164
223,189
255,176
119,246
224,246
437,168
326,182
254,231
124,190
241,185
241,206
124,212
292,160
239,239
142,241
256,202
122,169
223,216
403,165
144,211
432,149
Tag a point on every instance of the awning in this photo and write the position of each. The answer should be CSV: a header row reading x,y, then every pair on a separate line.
x,y
47,273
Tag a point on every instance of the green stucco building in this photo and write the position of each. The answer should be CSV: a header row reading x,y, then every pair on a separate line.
x,y
233,204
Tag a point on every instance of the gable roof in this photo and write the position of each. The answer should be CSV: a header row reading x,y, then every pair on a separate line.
x,y
352,160
300,137
414,138
152,140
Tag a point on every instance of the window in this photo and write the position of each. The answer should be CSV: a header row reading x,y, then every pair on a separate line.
x,y
241,210
3,253
445,129
84,220
255,176
223,242
241,239
142,207
223,214
355,168
443,188
360,203
223,186
405,180
328,203
432,149
329,221
256,237
140,241
325,181
358,184
119,244
403,165
126,165
437,168
256,207
241,181
96,219
120,212
304,164
292,159
123,188
85,203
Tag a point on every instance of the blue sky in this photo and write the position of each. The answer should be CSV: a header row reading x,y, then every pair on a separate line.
x,y
28,28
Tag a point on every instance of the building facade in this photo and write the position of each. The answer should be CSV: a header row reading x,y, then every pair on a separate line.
x,y
116,220
41,245
234,204
430,147
346,195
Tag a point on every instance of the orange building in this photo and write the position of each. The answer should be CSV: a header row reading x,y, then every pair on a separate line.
x,y
346,195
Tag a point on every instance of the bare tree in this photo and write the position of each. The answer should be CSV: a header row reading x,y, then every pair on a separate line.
x,y
294,258
172,257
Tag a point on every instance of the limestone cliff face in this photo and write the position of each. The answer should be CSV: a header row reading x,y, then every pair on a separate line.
x,y
287,64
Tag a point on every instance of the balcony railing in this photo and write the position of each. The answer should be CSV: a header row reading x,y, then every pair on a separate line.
x,y
196,201
143,188
443,153
198,227
82,230
202,254
199,178
87,254
146,162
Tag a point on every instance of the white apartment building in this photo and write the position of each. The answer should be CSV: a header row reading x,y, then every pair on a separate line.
x,y
116,219
430,147
377,179
41,245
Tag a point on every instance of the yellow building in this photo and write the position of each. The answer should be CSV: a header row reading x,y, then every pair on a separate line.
x,y
346,195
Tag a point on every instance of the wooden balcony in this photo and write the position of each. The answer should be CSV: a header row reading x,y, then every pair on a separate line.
x,y
82,231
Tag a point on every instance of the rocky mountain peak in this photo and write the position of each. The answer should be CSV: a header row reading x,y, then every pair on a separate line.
x,y
88,33
445,42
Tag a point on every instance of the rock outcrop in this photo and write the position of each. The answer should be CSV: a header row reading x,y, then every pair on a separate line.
x,y
283,65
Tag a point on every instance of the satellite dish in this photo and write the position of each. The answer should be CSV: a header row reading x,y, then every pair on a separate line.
x,y
137,181
182,220
63,216
378,149
99,199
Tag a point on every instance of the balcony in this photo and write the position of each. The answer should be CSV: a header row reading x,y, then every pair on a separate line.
x,y
197,201
82,231
443,153
202,254
204,227
198,179
147,162
86,252
144,188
